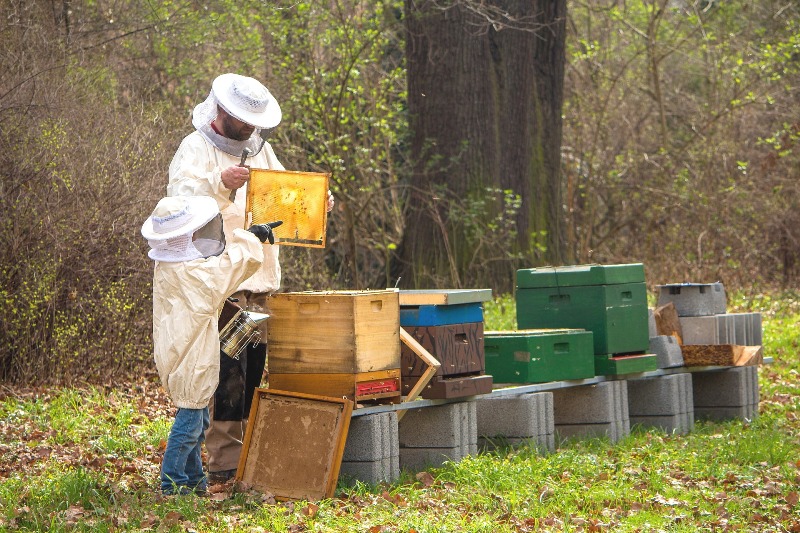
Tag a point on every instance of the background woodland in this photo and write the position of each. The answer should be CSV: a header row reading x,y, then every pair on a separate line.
x,y
679,149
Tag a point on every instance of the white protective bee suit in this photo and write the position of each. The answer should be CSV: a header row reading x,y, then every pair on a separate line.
x,y
187,300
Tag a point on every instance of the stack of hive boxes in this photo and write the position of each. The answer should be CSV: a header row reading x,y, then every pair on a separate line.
x,y
449,325
608,300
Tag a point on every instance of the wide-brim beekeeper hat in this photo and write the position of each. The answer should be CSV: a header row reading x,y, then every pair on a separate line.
x,y
173,223
179,215
243,98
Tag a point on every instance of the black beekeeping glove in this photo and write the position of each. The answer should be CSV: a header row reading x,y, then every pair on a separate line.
x,y
264,231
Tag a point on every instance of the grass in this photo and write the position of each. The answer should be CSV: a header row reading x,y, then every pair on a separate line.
x,y
87,459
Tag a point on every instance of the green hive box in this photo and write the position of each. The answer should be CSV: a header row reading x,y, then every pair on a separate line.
x,y
608,365
610,301
538,356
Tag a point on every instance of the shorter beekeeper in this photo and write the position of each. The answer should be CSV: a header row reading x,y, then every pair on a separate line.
x,y
195,272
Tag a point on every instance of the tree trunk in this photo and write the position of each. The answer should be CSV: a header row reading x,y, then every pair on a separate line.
x,y
485,90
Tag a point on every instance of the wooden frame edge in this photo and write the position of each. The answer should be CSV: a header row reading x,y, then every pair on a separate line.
x,y
427,358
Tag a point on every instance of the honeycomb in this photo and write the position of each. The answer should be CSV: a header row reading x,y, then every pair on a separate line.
x,y
299,199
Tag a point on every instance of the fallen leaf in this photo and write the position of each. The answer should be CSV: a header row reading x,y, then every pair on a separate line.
x,y
425,478
310,510
792,498
172,518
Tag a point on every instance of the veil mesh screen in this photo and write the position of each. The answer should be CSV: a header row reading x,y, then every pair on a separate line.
x,y
298,199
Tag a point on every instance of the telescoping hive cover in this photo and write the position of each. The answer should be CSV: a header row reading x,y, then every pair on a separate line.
x,y
299,199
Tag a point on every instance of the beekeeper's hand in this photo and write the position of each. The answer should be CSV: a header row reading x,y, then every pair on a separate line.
x,y
264,231
235,177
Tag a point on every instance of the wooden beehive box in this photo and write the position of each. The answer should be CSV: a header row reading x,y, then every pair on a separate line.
x,y
449,325
334,332
336,343
540,355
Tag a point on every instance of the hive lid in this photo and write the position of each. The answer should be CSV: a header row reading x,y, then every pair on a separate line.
x,y
579,275
532,332
444,296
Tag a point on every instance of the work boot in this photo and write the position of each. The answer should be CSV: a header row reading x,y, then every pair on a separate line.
x,y
221,476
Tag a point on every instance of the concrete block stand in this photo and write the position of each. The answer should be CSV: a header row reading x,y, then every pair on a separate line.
x,y
431,436
372,450
726,394
524,420
599,410
663,402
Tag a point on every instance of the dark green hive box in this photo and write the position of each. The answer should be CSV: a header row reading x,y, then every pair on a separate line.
x,y
538,356
610,301
608,365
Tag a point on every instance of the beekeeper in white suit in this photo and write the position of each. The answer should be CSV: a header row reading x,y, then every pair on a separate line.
x,y
234,120
193,275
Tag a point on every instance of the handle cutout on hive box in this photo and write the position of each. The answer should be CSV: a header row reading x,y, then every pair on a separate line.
x,y
461,338
376,305
561,347
559,298
522,357
627,295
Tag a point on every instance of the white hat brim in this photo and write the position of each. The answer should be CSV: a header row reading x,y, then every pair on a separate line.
x,y
270,118
202,208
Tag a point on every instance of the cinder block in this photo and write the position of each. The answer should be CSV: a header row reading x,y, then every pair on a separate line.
x,y
613,430
589,404
694,299
657,396
469,437
416,459
671,424
742,412
704,329
652,328
731,387
623,402
442,426
542,443
740,334
756,329
526,419
667,350
546,408
522,416
372,437
370,472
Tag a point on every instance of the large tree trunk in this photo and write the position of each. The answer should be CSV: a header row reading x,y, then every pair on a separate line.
x,y
485,89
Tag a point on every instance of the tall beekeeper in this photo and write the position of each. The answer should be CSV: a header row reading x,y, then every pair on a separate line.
x,y
193,275
231,126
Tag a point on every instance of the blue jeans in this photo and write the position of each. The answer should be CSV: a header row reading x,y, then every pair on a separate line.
x,y
182,465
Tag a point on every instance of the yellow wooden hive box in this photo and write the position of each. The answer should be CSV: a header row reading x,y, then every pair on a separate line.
x,y
334,331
